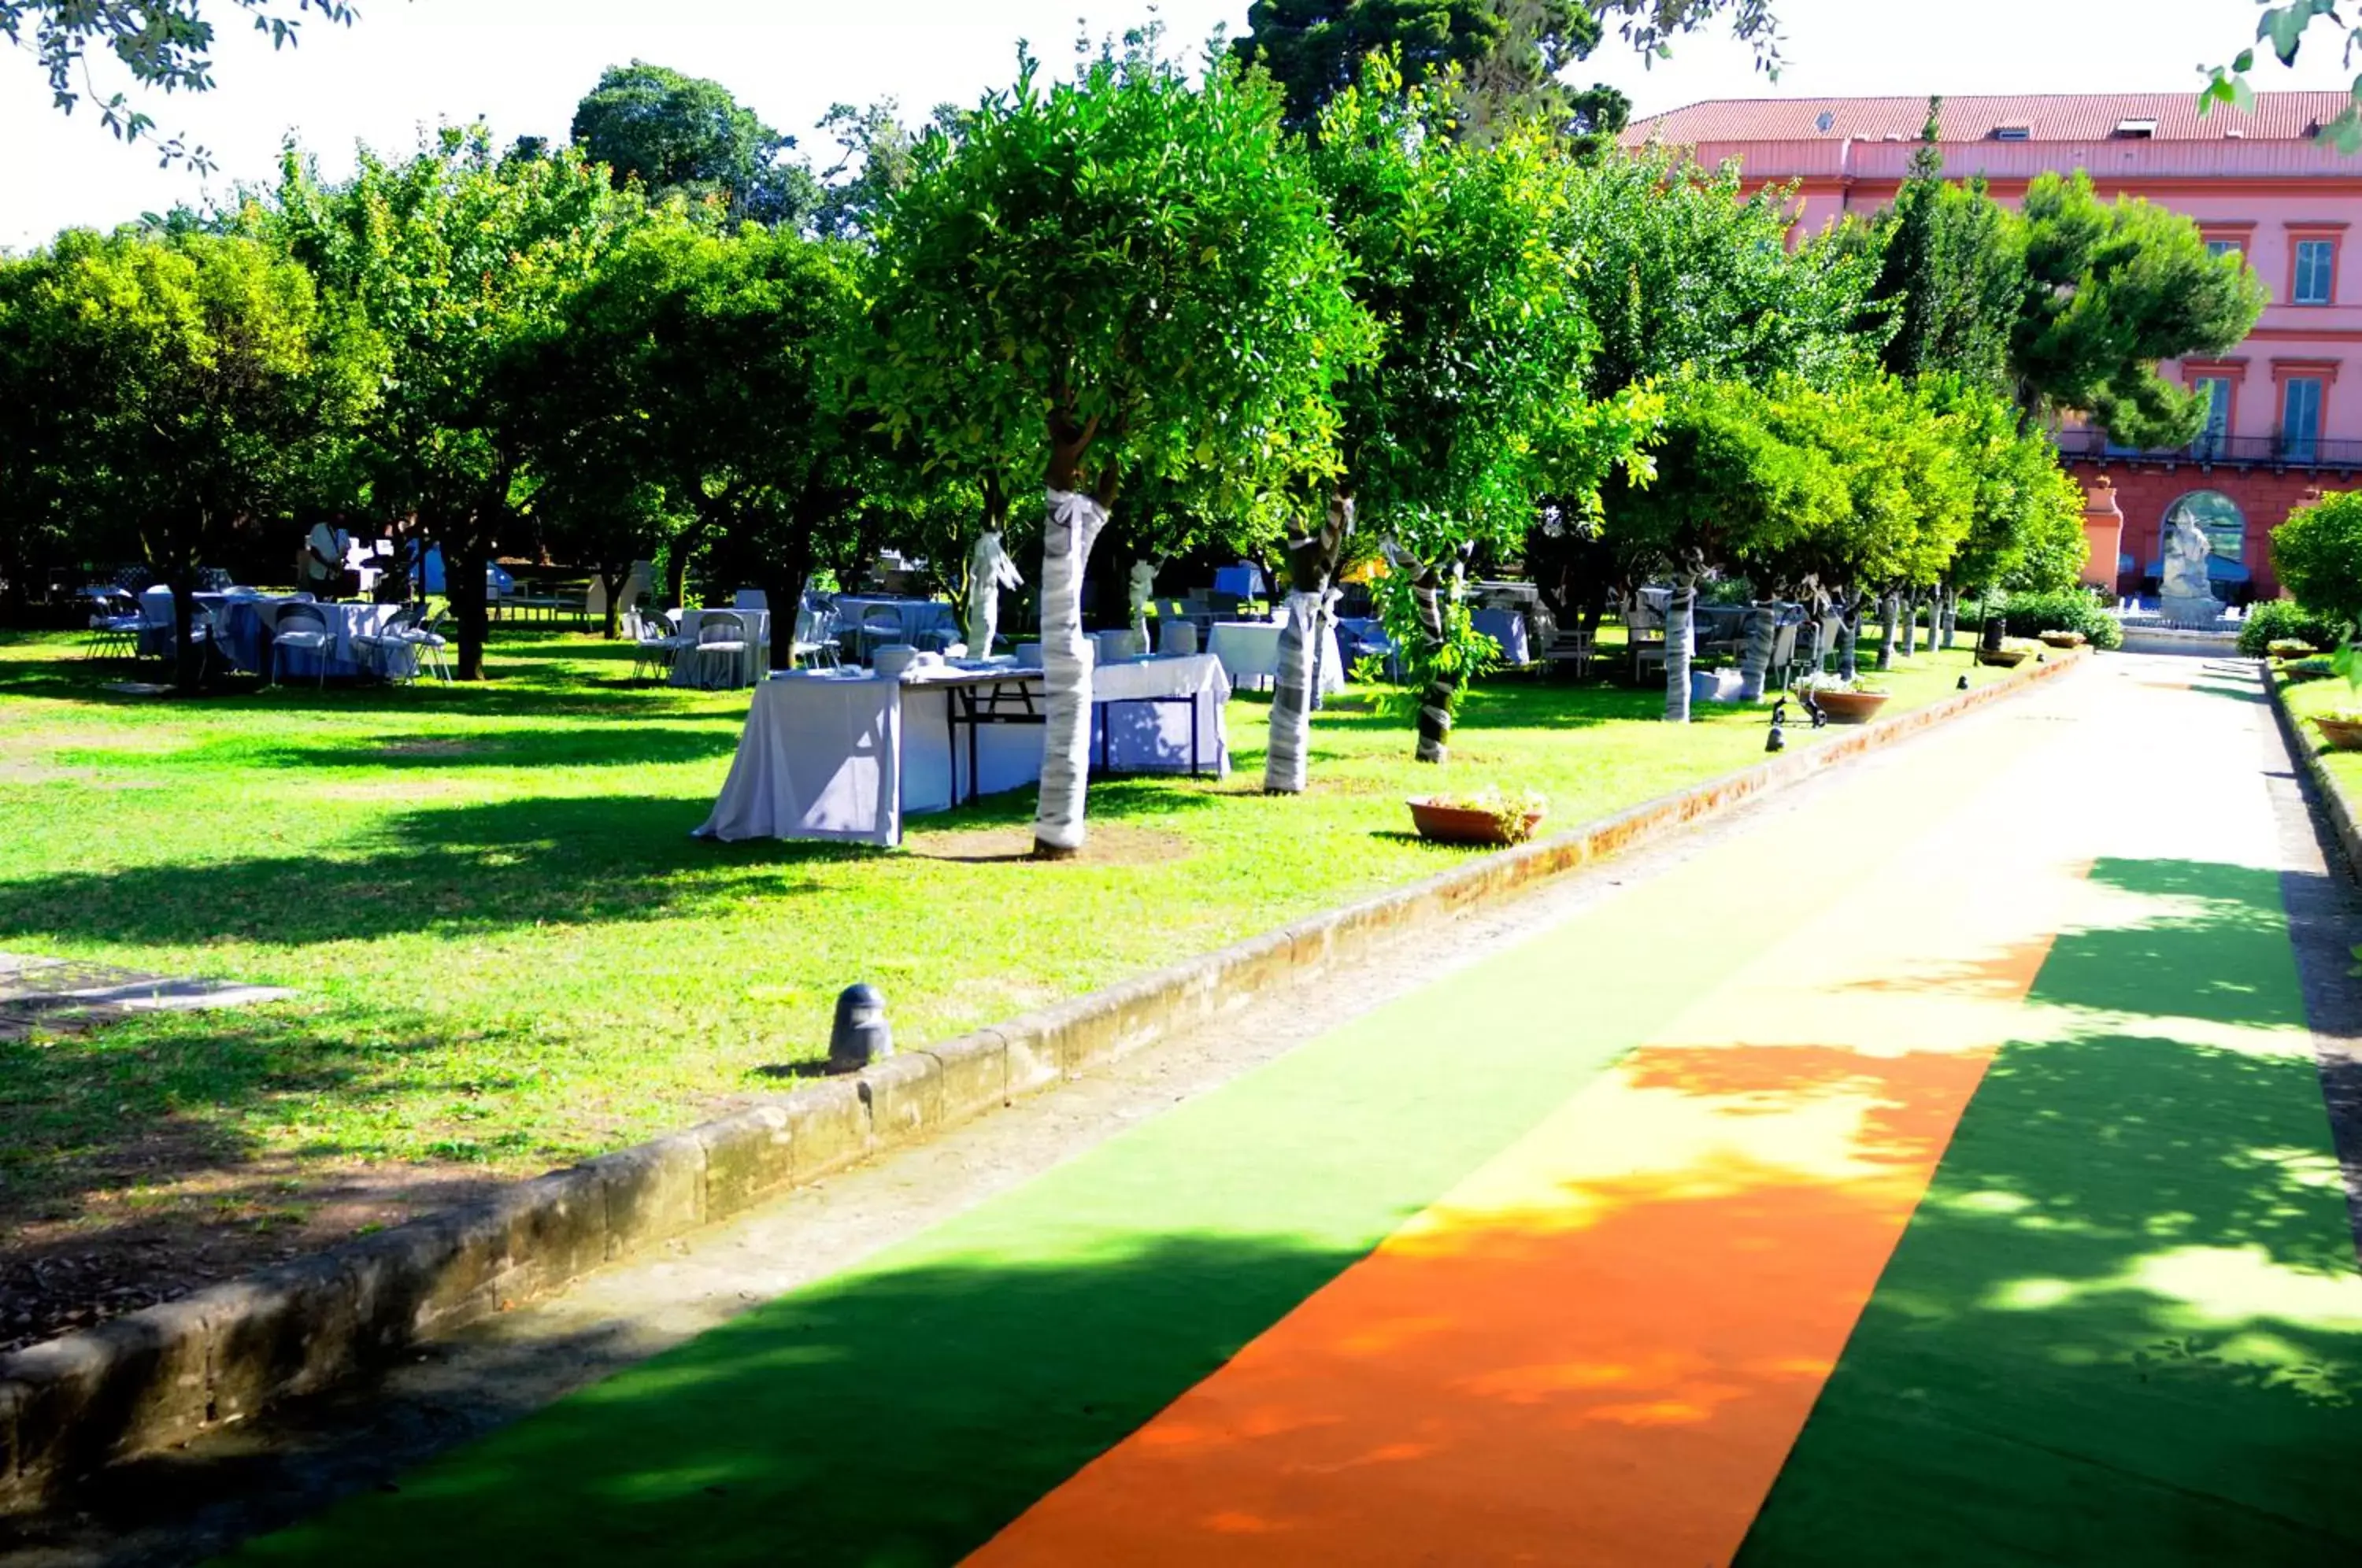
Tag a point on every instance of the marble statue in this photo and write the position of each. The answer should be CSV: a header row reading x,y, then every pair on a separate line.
x,y
1143,588
2187,593
990,570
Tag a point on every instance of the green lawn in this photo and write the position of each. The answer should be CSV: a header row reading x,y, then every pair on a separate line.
x,y
511,954
2309,697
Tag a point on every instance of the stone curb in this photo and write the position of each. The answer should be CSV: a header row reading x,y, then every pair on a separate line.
x,y
2334,802
157,1377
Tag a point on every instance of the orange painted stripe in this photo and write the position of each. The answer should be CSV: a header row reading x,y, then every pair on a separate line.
x,y
1600,1347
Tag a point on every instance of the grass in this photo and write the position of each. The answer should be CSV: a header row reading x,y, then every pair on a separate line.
x,y
511,954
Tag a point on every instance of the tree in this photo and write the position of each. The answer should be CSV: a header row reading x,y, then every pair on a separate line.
x,y
163,44
874,149
703,366
2025,528
2113,288
1121,275
453,258
1730,490
1507,54
2318,554
688,136
1443,437
2284,28
192,375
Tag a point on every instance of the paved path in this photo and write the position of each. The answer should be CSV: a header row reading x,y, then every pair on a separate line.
x,y
1936,1170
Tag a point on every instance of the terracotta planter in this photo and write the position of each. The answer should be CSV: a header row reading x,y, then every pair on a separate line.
x,y
1850,707
1457,824
2063,639
2007,659
2343,734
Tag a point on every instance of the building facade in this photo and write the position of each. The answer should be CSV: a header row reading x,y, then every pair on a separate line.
x,y
2284,418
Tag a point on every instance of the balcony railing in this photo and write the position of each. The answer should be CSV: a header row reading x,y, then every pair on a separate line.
x,y
2278,450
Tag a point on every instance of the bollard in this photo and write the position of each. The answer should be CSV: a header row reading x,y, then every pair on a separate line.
x,y
861,1035
1778,739
1963,685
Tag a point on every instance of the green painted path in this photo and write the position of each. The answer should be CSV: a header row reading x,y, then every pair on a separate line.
x,y
1761,1212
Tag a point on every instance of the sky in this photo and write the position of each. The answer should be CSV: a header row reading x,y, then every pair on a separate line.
x,y
522,64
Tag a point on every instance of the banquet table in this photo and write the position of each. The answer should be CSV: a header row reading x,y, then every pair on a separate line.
x,y
712,674
246,621
920,617
1508,628
1250,653
846,755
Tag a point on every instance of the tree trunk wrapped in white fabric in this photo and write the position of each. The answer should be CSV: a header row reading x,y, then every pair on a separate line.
x,y
1679,609
1312,560
990,570
1071,529
1910,625
1889,610
1849,640
1755,666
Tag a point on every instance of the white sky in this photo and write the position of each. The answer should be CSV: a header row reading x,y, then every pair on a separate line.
x,y
522,64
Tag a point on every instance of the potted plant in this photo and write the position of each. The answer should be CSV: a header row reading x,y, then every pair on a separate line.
x,y
2012,652
1855,701
2062,638
1488,817
2341,728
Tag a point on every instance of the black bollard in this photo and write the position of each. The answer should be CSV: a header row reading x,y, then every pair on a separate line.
x,y
1964,683
861,1035
1778,739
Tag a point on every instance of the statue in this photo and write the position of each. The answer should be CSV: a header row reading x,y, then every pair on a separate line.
x,y
990,570
2187,591
1143,588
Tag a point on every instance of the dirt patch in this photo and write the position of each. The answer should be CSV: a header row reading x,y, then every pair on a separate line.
x,y
432,747
1108,844
135,1244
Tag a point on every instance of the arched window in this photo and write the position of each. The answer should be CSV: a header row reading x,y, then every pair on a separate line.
x,y
2218,517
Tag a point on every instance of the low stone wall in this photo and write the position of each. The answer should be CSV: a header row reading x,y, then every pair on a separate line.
x,y
161,1376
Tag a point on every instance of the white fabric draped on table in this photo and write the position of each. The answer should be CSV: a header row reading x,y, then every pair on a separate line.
x,y
1249,651
1508,628
847,754
246,620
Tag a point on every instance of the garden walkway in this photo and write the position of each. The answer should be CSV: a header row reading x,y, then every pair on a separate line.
x,y
1936,1170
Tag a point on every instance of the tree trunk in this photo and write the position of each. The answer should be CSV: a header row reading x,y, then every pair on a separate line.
x,y
1850,641
1312,563
1678,611
1911,624
1755,668
464,572
612,582
1071,526
1951,616
1890,607
1443,692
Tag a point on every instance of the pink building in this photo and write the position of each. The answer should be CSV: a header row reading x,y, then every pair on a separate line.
x,y
2285,407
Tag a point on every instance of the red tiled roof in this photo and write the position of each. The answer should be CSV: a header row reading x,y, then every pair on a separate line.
x,y
2082,117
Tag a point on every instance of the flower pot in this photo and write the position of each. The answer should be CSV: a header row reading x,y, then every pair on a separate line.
x,y
2343,734
2007,659
2063,639
1438,823
1850,707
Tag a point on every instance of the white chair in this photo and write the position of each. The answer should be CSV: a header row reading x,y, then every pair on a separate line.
x,y
721,635
301,629
653,647
416,648
880,625
815,639
114,625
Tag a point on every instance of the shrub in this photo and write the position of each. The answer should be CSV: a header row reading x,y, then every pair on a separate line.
x,y
2277,620
2076,610
2318,554
2320,667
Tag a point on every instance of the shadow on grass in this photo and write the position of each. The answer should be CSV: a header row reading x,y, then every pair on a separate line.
x,y
2125,1324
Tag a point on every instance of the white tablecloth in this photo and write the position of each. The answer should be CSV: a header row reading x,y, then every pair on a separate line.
x,y
711,673
847,755
918,617
1508,628
244,619
1249,651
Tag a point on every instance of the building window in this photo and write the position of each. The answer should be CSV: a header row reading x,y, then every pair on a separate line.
x,y
2225,247
2214,392
2315,280
2301,398
2218,517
